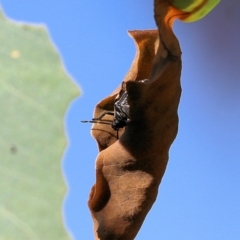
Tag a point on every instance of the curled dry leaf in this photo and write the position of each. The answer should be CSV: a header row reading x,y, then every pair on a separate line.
x,y
146,44
129,170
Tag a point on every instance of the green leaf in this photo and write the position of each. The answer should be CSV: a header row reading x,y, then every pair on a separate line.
x,y
197,8
35,92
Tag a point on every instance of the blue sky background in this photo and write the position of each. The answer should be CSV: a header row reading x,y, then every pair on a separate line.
x,y
199,196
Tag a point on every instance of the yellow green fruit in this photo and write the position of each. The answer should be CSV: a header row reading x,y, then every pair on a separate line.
x,y
197,9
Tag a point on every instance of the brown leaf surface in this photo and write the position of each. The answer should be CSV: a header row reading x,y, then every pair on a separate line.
x,y
129,170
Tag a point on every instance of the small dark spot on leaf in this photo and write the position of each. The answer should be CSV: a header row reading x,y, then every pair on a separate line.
x,y
13,149
130,165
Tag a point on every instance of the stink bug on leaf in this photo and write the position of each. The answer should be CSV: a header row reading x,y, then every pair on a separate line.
x,y
120,113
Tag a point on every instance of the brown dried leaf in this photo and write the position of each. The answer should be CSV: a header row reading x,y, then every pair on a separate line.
x,y
146,45
129,170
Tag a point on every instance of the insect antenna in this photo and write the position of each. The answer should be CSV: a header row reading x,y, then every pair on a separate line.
x,y
95,121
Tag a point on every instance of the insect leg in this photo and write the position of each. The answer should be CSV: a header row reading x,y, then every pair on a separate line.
x,y
98,119
102,115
